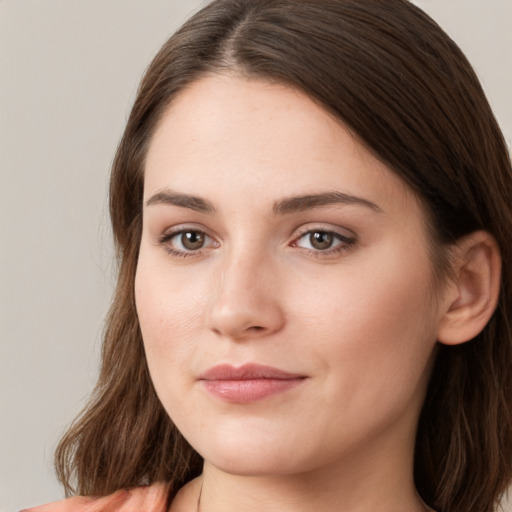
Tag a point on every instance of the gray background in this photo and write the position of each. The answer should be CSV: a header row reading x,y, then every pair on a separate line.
x,y
68,75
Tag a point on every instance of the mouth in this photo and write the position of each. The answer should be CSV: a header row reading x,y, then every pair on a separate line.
x,y
248,383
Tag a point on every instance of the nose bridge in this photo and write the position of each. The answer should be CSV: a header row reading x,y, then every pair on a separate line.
x,y
243,264
246,300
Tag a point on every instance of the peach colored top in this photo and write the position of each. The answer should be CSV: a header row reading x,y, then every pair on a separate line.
x,y
142,499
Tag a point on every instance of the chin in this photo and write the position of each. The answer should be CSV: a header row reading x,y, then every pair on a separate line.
x,y
247,457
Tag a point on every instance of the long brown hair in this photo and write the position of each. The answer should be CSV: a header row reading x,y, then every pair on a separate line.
x,y
403,87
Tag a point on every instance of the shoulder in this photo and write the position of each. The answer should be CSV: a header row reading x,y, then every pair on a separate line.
x,y
141,499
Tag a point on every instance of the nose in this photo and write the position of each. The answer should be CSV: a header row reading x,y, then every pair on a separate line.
x,y
246,302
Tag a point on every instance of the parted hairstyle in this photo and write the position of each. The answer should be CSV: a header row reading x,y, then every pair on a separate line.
x,y
405,90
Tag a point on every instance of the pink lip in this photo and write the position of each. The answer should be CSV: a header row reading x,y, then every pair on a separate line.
x,y
247,383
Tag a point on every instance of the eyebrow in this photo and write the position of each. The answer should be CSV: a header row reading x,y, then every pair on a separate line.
x,y
183,200
282,207
301,203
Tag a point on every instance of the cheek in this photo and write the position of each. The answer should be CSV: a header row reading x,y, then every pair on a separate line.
x,y
371,333
374,316
169,313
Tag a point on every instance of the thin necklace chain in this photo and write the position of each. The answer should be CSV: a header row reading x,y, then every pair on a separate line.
x,y
199,498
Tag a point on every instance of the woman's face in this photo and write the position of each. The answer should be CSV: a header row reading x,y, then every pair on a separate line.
x,y
284,286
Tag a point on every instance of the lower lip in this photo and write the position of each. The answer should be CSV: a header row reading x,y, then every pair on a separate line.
x,y
249,390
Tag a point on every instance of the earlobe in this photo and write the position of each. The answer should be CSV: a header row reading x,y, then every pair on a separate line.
x,y
473,293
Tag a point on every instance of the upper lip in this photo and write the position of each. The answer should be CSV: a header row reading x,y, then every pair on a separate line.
x,y
249,371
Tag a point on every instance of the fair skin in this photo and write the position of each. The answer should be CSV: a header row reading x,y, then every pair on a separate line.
x,y
271,236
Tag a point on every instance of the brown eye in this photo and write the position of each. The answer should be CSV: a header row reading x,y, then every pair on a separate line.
x,y
192,240
187,242
321,240
326,243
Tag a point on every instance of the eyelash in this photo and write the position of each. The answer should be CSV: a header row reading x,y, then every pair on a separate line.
x,y
345,243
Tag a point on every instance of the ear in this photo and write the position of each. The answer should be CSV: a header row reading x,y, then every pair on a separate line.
x,y
472,295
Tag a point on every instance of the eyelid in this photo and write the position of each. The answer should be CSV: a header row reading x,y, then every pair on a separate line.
x,y
184,226
339,231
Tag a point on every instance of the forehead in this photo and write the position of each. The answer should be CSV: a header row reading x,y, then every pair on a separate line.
x,y
226,135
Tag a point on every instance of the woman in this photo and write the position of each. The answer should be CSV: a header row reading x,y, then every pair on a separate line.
x,y
311,208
